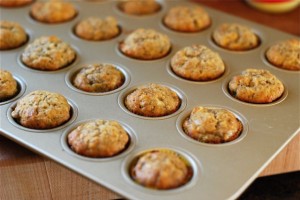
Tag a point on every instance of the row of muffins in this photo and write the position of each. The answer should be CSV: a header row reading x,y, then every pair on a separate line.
x,y
147,44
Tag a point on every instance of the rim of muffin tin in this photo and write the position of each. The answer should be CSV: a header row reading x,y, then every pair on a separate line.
x,y
181,95
239,116
21,88
193,162
71,64
71,73
73,113
173,74
129,147
263,56
227,93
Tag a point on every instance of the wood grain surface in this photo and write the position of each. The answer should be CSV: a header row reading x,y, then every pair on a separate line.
x,y
26,175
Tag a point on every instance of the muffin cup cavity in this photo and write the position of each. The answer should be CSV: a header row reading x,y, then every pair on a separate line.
x,y
193,165
229,95
73,116
181,95
72,73
183,116
129,146
21,87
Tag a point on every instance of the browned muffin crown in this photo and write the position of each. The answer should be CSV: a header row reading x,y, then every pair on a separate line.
x,y
152,100
98,138
161,169
285,54
8,85
256,86
41,109
212,125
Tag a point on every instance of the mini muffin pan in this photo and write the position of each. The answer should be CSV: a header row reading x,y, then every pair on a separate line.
x,y
220,171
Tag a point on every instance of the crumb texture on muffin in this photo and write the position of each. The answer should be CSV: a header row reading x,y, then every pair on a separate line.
x,y
14,3
256,86
95,28
146,44
187,19
152,100
12,35
161,169
285,54
98,138
197,63
48,53
99,78
212,125
41,109
8,85
53,11
235,37
139,7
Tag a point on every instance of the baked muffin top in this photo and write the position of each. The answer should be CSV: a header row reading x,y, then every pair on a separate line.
x,y
146,44
12,35
212,125
187,19
152,100
42,109
53,11
48,53
139,7
197,63
95,28
8,85
256,86
98,78
161,169
235,37
14,3
98,138
285,54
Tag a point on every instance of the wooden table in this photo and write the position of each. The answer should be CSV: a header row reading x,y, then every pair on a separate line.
x,y
26,175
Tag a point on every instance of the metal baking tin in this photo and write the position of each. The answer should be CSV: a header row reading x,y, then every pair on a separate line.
x,y
220,171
